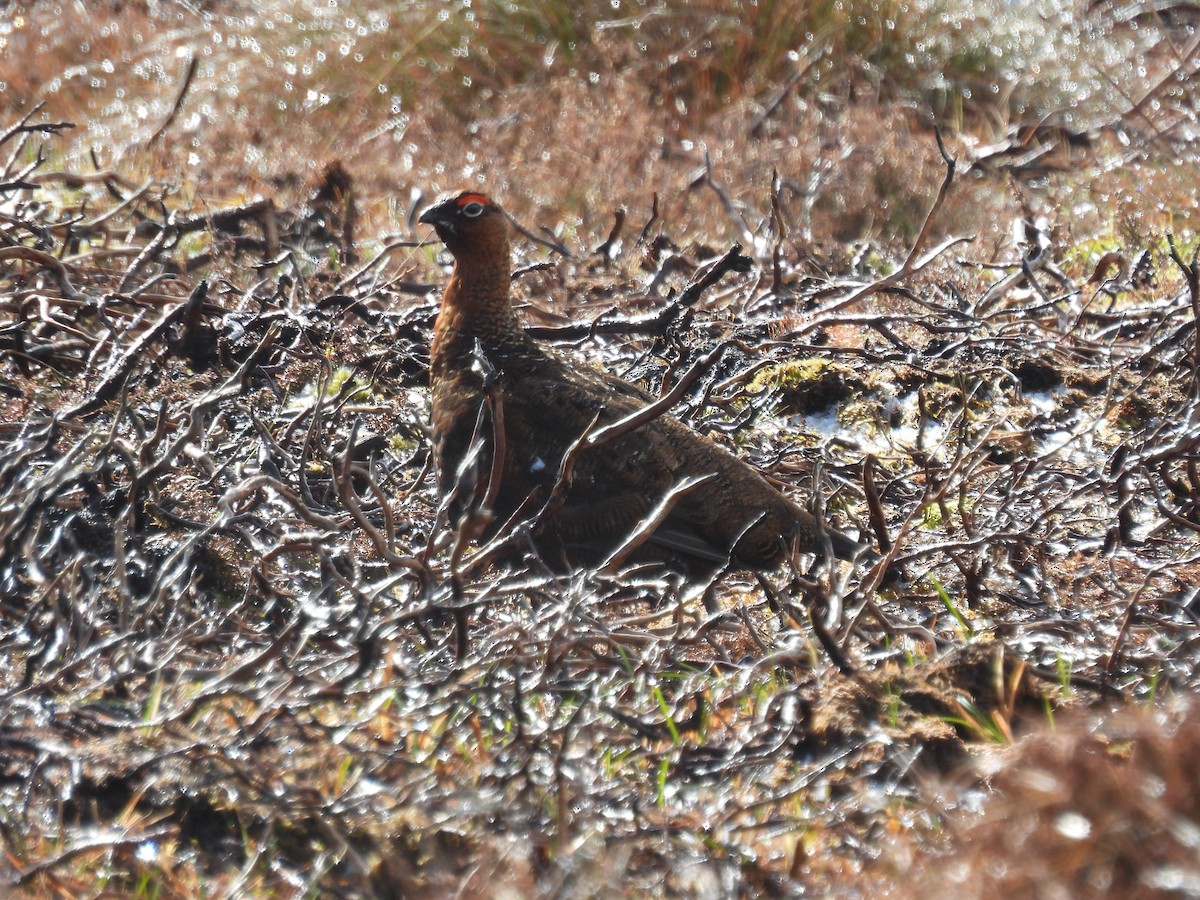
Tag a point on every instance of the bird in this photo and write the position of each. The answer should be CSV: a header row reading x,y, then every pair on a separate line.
x,y
516,434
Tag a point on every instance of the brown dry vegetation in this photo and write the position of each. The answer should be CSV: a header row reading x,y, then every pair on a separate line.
x,y
228,661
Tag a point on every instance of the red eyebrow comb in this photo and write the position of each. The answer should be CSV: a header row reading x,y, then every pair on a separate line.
x,y
473,198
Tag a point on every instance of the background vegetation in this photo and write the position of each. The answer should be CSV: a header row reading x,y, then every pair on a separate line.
x,y
227,663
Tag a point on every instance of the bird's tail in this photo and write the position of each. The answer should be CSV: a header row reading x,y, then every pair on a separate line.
x,y
849,549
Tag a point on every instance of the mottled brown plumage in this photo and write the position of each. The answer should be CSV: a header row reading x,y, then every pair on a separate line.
x,y
546,404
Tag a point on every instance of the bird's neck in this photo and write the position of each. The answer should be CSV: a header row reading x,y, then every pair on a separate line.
x,y
476,307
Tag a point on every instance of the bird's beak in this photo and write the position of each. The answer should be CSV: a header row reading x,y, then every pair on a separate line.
x,y
440,216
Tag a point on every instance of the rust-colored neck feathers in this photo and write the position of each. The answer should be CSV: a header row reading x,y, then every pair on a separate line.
x,y
476,304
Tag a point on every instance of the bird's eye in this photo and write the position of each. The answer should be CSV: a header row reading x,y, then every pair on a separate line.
x,y
473,210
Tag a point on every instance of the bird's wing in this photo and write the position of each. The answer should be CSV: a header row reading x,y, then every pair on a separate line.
x,y
614,485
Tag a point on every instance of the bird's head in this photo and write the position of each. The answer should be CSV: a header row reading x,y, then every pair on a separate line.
x,y
468,222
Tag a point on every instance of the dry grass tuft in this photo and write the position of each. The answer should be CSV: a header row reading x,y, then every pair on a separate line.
x,y
1096,807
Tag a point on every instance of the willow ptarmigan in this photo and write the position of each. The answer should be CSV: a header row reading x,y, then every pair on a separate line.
x,y
486,371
